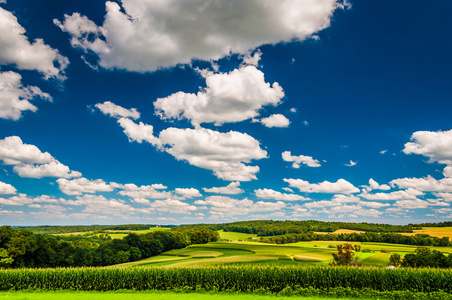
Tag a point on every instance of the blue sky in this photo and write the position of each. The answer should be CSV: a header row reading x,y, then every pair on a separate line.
x,y
198,111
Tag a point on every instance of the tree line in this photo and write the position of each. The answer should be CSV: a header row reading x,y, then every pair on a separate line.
x,y
393,238
21,248
84,228
271,228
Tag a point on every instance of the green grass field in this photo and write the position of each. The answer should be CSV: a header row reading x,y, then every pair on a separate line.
x,y
236,236
123,295
254,253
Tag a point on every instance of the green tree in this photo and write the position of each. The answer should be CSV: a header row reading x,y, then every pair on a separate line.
x,y
395,259
345,256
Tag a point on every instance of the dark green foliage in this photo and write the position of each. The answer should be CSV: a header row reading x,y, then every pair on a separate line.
x,y
85,228
345,256
22,248
395,259
270,228
425,257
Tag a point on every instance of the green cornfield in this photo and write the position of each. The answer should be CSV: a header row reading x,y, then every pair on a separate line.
x,y
228,278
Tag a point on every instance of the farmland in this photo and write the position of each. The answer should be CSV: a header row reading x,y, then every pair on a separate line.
x,y
305,253
194,258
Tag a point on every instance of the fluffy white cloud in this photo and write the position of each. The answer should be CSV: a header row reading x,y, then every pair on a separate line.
x,y
447,172
224,207
52,169
138,132
341,186
83,185
18,51
410,193
188,193
172,206
99,205
144,191
15,98
30,162
7,189
435,145
276,120
412,204
373,185
301,159
427,184
149,35
223,153
230,189
226,154
252,60
13,151
228,97
110,109
23,199
275,195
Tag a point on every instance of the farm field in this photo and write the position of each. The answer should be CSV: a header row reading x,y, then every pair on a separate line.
x,y
434,231
122,295
235,236
247,253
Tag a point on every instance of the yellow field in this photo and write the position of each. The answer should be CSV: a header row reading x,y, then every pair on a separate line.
x,y
434,231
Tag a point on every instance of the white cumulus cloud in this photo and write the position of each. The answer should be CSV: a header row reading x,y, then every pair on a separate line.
x,y
301,159
230,189
228,97
7,189
427,184
52,169
276,120
148,35
341,186
275,195
29,161
435,145
82,185
16,50
15,98
187,193
110,109
13,151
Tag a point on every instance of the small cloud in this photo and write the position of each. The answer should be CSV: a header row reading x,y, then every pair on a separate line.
x,y
315,37
293,61
383,151
293,110
306,123
252,60
351,164
276,120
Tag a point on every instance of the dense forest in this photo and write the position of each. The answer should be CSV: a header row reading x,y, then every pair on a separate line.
x,y
21,248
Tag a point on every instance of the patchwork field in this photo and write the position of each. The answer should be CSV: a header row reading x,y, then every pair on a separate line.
x,y
239,253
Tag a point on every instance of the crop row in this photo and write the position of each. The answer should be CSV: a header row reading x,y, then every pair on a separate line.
x,y
224,278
